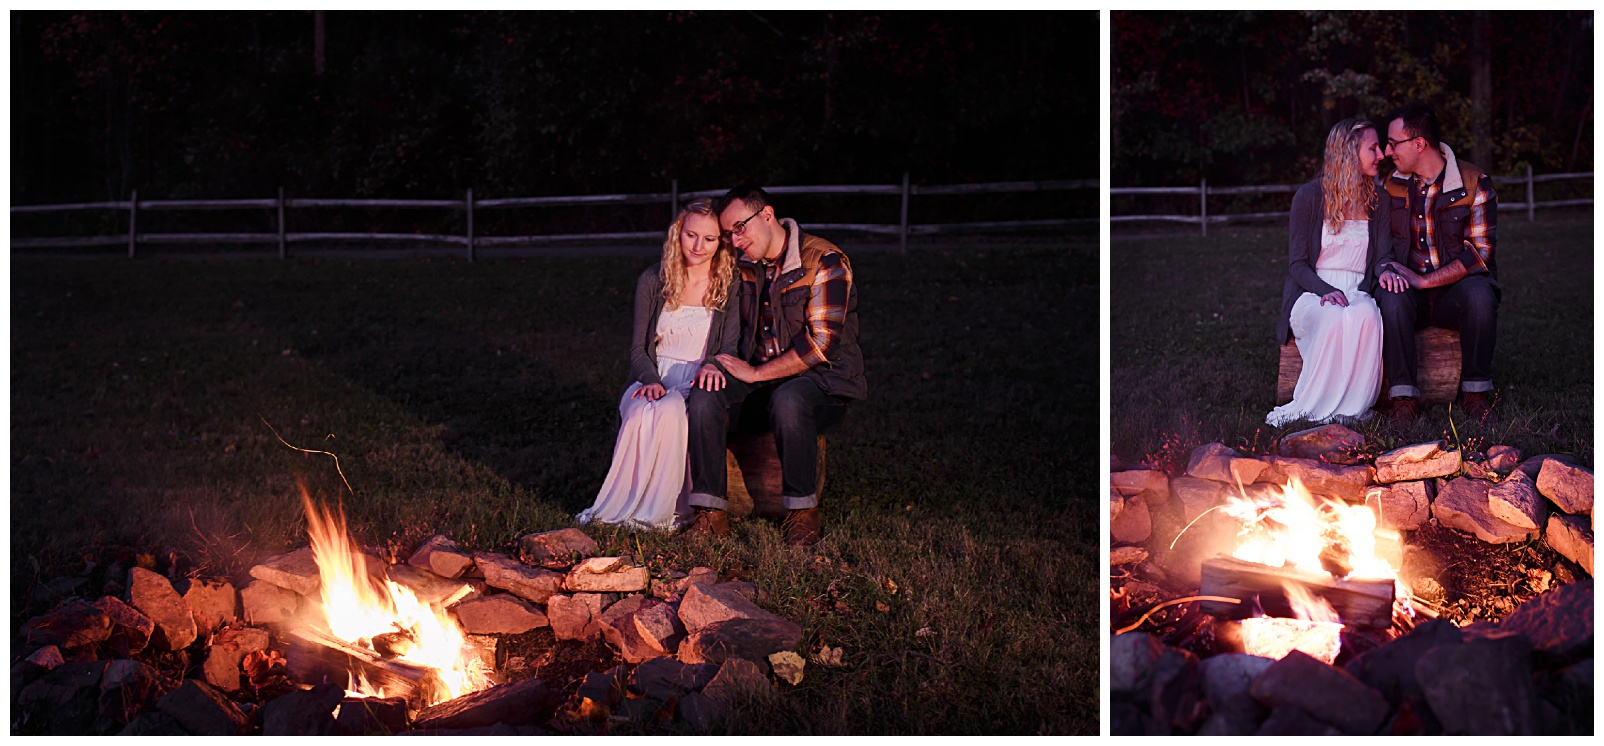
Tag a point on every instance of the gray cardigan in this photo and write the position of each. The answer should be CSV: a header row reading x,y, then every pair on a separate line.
x,y
723,332
1303,249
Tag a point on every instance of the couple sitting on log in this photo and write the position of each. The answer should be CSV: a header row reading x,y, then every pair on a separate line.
x,y
744,311
1369,262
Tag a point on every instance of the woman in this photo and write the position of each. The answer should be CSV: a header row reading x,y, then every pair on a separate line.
x,y
1339,234
681,325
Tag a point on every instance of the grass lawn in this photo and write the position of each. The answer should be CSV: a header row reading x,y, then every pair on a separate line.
x,y
481,401
1193,349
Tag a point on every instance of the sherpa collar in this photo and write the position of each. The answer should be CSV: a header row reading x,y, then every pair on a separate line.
x,y
1451,180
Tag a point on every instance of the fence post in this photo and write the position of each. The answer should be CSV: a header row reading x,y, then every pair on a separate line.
x,y
281,229
133,215
1531,197
469,201
673,200
905,193
1203,203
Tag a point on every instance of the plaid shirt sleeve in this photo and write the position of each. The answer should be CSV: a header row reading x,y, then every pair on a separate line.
x,y
1481,227
827,310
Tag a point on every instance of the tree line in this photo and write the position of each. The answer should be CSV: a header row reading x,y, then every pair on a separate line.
x,y
414,104
1247,97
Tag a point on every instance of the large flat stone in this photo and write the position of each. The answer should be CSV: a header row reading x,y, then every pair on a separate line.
x,y
202,711
501,614
154,596
738,680
1329,694
1197,496
1330,444
660,627
527,702
1134,524
302,712
214,603
1405,506
441,556
508,574
564,546
229,647
1482,688
750,639
1390,669
606,575
296,571
266,603
1346,483
126,621
1221,463
1515,501
1229,674
1462,504
577,617
1419,461
1568,485
704,605
618,628
1149,484
73,623
1570,536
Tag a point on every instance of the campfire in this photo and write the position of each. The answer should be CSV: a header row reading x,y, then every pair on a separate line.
x,y
1431,589
1298,555
386,620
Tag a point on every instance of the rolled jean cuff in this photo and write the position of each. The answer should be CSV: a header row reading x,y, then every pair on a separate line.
x,y
704,500
800,503
1397,391
1475,386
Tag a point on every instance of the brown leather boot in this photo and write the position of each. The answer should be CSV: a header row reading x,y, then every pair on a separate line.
x,y
1477,404
709,522
1404,409
802,527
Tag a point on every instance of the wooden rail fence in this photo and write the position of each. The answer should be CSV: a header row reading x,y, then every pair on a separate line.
x,y
1203,190
471,242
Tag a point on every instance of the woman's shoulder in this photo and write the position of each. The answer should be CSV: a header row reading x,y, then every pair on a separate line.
x,y
653,276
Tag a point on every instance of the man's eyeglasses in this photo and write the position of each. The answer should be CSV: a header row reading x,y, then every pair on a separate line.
x,y
740,228
1391,143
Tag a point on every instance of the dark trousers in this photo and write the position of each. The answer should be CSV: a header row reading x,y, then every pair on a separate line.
x,y
1470,306
794,408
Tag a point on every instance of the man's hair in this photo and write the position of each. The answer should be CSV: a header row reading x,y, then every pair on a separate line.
x,y
750,195
1419,121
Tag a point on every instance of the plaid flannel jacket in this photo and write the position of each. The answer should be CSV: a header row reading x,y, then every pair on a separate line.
x,y
1453,217
805,301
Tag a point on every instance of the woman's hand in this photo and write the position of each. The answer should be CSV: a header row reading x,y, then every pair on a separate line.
x,y
1393,281
709,377
649,392
1335,298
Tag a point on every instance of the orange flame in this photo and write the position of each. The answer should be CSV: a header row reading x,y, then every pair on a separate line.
x,y
358,607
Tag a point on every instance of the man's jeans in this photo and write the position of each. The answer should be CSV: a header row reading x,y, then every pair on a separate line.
x,y
796,410
1470,306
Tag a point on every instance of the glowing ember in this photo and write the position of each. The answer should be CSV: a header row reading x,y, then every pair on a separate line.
x,y
384,616
1316,631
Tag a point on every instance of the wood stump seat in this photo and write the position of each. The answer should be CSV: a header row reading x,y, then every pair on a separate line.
x,y
753,465
1437,353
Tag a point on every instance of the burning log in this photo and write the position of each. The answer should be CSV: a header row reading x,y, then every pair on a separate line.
x,y
315,654
1359,602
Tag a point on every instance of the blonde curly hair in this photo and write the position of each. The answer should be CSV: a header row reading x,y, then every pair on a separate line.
x,y
1346,189
720,275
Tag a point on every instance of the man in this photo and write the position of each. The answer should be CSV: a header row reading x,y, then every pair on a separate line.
x,y
799,361
1441,272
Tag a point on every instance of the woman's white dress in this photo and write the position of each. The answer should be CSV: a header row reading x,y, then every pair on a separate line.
x,y
649,482
1341,347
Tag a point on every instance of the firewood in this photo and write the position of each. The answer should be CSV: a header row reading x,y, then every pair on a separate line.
x,y
1364,603
316,656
